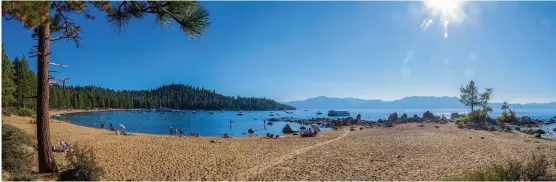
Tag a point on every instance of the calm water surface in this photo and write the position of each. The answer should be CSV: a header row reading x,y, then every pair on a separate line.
x,y
219,123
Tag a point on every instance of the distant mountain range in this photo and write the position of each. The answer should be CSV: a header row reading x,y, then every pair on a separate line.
x,y
415,102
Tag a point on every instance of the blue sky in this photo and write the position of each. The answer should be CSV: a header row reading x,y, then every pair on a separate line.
x,y
296,50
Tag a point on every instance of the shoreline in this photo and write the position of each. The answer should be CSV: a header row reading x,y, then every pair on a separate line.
x,y
315,121
401,152
74,111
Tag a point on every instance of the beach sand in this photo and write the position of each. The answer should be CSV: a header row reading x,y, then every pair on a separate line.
x,y
403,152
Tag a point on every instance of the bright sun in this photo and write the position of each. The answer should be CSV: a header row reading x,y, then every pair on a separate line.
x,y
443,8
447,11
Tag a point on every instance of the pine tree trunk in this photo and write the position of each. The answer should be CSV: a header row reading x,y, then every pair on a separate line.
x,y
47,163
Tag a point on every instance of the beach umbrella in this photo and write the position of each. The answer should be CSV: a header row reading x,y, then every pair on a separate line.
x,y
121,125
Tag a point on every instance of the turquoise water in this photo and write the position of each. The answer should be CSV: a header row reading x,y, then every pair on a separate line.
x,y
219,123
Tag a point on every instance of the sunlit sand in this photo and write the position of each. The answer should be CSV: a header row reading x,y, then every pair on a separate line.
x,y
404,152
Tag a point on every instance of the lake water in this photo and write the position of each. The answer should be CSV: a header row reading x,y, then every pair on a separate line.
x,y
219,123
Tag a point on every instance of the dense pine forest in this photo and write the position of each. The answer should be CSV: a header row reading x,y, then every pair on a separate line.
x,y
175,96
19,89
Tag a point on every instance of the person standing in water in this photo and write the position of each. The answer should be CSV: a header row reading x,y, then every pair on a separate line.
x,y
171,131
181,132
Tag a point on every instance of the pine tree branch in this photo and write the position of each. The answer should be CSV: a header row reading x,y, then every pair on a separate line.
x,y
71,31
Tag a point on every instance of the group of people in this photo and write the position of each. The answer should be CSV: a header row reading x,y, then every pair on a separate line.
x,y
102,125
268,135
174,132
308,133
121,132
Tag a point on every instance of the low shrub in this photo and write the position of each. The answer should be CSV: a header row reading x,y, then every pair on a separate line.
x,y
464,118
82,166
536,169
25,112
474,116
7,111
17,149
26,176
507,117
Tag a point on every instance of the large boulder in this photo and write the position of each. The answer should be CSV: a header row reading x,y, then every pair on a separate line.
x,y
393,117
454,116
428,116
287,129
404,117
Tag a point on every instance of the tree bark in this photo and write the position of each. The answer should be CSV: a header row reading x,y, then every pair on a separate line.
x,y
47,163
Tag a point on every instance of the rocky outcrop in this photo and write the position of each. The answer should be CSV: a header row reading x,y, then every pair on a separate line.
x,y
454,116
393,117
287,129
404,117
428,116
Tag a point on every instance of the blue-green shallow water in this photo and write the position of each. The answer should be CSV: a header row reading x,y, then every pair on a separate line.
x,y
218,123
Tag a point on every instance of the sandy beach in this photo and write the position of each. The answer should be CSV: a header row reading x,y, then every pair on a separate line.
x,y
403,152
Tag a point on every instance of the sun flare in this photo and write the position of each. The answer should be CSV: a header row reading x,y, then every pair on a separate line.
x,y
444,8
447,11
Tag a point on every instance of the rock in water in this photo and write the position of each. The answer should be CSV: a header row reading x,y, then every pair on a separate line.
x,y
287,129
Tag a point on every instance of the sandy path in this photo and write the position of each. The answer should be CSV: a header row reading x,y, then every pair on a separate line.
x,y
242,176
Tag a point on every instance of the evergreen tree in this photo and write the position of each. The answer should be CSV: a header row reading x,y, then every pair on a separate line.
x,y
470,95
25,81
50,22
484,99
8,85
175,96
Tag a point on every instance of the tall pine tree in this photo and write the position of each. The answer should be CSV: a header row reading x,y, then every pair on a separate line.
x,y
50,22
8,85
26,83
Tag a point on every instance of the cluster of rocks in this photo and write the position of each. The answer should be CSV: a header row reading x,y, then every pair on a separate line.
x,y
530,125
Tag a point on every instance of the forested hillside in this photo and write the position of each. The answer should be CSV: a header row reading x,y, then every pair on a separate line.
x,y
19,90
175,96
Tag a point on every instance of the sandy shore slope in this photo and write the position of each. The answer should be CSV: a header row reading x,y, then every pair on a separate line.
x,y
404,152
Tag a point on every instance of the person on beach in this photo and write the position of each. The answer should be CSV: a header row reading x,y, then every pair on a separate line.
x,y
171,131
196,134
111,127
181,132
176,131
